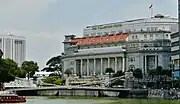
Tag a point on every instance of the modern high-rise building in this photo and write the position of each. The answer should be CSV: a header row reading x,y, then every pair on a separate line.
x,y
13,47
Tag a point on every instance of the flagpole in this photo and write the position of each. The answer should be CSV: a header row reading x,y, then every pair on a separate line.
x,y
151,12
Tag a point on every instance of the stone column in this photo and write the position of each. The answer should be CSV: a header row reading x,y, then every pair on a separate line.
x,y
123,66
75,66
87,67
115,64
101,66
108,62
81,69
155,61
94,71
145,64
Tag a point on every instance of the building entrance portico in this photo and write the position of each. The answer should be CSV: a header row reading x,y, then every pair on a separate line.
x,y
97,66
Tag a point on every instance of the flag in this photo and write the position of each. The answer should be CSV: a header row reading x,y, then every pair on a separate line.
x,y
150,6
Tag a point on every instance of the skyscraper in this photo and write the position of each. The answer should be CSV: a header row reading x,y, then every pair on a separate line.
x,y
13,47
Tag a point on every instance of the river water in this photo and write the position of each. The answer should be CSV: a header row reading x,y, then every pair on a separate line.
x,y
63,101
44,100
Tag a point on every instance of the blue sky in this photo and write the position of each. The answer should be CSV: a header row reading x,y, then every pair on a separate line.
x,y
45,22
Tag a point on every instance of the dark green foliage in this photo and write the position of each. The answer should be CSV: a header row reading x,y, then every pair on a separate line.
x,y
30,67
54,64
152,72
159,70
118,74
176,83
5,73
137,73
53,80
68,72
1,53
54,74
109,70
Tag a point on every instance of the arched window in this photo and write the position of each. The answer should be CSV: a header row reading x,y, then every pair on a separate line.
x,y
145,45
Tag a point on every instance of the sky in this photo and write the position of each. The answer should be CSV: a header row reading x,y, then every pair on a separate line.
x,y
45,22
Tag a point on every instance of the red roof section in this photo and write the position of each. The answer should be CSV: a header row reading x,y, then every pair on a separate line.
x,y
100,39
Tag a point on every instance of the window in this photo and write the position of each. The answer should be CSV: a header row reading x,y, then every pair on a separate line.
x,y
145,36
113,32
148,29
167,35
157,35
132,37
156,45
156,28
145,45
105,33
93,34
99,33
163,28
136,36
151,36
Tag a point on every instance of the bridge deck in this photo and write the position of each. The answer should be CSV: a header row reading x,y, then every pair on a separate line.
x,y
71,88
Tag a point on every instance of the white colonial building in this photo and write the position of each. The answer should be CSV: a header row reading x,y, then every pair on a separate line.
x,y
159,22
142,43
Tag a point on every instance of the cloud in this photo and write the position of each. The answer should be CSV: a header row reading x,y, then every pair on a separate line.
x,y
14,10
45,22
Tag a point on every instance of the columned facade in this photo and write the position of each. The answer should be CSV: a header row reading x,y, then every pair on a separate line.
x,y
88,66
97,66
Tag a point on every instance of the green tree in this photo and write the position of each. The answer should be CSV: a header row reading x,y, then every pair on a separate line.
x,y
54,64
152,72
12,66
68,72
30,67
5,75
159,70
19,72
137,73
109,71
118,74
